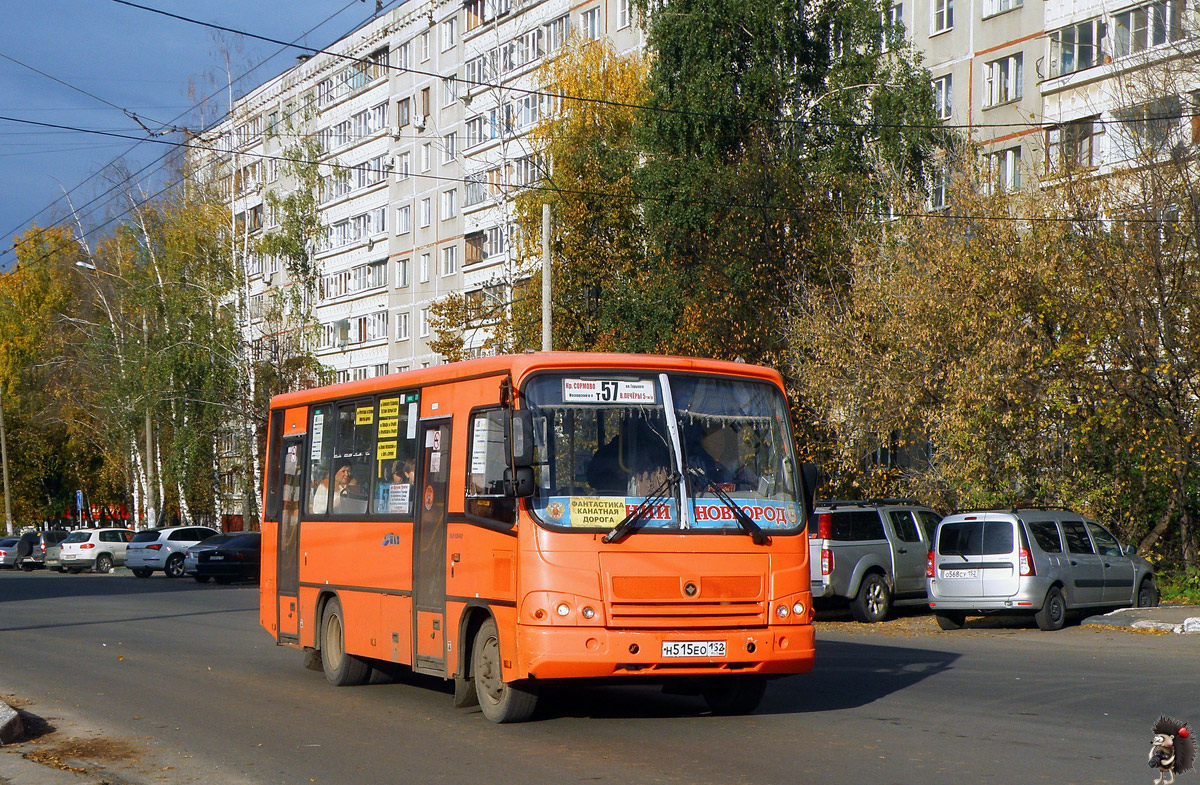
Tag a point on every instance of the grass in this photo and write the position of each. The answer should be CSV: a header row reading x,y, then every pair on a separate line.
x,y
1179,586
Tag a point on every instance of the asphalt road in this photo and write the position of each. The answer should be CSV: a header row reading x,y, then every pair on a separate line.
x,y
185,685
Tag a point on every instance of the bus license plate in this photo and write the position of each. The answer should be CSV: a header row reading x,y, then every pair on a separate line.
x,y
693,649
960,573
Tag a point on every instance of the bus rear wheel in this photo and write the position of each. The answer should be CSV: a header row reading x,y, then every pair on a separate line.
x,y
500,701
738,694
341,669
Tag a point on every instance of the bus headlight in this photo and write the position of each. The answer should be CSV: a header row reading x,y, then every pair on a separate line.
x,y
563,609
588,613
798,608
782,611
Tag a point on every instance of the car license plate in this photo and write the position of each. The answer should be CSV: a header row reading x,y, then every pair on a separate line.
x,y
216,557
960,573
693,649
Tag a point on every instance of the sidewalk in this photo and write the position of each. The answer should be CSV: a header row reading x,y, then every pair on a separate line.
x,y
1182,619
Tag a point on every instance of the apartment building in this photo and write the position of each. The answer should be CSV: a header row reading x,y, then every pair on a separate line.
x,y
422,116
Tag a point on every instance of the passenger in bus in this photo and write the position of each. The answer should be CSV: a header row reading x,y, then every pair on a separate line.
x,y
347,494
714,451
652,465
319,503
604,472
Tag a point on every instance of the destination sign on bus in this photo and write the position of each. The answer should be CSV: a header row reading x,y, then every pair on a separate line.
x,y
608,391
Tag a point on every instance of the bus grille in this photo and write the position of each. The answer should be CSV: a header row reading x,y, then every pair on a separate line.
x,y
686,615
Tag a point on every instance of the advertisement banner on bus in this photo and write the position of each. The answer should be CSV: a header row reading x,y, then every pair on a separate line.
x,y
605,512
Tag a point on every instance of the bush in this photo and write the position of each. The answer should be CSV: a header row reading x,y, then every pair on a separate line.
x,y
1179,586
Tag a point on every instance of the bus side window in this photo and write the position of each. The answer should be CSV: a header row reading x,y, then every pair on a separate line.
x,y
395,454
487,462
320,458
353,458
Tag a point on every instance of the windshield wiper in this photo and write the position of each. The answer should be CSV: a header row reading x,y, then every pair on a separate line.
x,y
757,535
633,518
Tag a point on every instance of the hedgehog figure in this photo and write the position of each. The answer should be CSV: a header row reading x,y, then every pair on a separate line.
x,y
1172,751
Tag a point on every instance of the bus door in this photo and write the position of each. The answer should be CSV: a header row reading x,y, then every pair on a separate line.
x,y
429,547
287,565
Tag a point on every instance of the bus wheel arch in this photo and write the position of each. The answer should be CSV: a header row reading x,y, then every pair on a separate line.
x,y
341,668
469,623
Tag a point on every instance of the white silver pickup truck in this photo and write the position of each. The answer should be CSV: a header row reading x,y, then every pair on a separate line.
x,y
871,552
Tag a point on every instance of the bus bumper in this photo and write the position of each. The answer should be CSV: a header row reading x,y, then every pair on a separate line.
x,y
581,652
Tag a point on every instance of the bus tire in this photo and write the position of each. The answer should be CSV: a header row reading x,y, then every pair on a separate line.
x,y
739,694
500,701
341,669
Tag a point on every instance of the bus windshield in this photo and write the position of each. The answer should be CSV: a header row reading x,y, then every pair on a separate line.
x,y
695,445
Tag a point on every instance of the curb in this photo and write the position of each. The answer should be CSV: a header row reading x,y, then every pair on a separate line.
x,y
1175,619
11,728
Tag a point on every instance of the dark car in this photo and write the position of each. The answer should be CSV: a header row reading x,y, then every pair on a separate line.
x,y
234,559
31,548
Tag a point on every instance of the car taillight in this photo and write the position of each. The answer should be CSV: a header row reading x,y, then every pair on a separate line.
x,y
826,561
237,557
929,566
42,545
1026,562
825,526
156,546
87,545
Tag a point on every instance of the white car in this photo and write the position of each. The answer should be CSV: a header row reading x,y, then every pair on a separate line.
x,y
163,549
94,549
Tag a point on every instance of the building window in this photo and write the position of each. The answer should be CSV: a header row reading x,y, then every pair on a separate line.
x,y
402,166
893,26
402,274
622,14
404,219
403,112
1072,144
449,260
426,156
424,271
1077,47
402,326
937,189
556,33
449,33
1003,80
942,16
1150,128
404,56
449,90
424,213
424,102
423,45
476,189
589,24
424,324
1151,25
993,7
449,204
942,104
1005,169
449,147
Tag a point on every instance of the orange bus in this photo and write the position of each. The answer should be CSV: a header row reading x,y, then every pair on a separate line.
x,y
511,521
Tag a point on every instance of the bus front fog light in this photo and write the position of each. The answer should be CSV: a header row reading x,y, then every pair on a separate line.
x,y
563,609
782,611
588,613
798,609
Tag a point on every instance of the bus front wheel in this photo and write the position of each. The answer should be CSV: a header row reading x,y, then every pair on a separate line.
x,y
341,669
500,701
738,694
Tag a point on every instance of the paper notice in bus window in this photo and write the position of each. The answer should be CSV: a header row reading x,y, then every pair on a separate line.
x,y
388,429
593,512
398,494
318,439
389,407
479,445
385,451
435,462
608,391
364,415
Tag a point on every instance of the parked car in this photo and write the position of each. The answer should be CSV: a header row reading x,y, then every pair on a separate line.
x,y
94,549
31,547
234,559
1043,562
163,549
8,552
191,556
51,560
870,552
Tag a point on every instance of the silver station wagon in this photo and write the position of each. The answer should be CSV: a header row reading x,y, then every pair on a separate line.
x,y
1044,562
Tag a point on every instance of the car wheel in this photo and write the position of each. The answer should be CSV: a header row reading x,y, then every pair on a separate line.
x,y
104,564
142,572
951,620
28,566
341,669
500,701
738,694
1147,596
201,578
1053,614
873,601
174,566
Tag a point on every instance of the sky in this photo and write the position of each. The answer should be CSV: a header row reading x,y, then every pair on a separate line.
x,y
101,60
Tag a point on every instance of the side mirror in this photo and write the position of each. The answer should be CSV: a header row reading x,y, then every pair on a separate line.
x,y
810,476
522,439
518,482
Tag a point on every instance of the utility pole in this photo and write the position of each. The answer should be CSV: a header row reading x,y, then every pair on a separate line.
x,y
8,521
546,342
